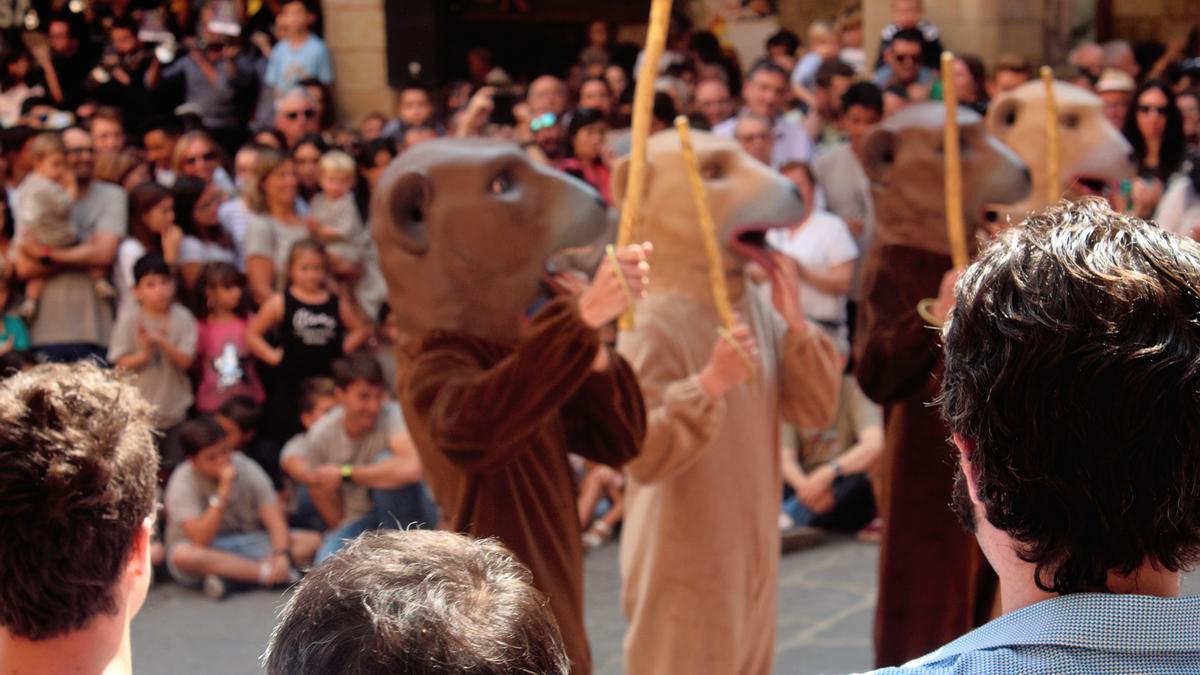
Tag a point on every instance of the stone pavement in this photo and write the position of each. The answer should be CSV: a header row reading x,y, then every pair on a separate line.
x,y
826,599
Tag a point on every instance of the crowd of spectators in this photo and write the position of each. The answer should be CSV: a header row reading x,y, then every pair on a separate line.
x,y
183,202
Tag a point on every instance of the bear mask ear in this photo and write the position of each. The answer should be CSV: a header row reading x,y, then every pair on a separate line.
x,y
879,155
1002,116
408,200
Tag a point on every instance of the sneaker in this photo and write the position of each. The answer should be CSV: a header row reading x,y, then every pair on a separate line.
x,y
214,587
873,532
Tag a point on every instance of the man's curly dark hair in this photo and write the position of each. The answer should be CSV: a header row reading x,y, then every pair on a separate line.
x,y
77,473
1073,371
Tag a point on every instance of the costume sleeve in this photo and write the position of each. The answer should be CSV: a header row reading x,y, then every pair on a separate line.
x,y
896,351
809,378
606,418
480,417
681,420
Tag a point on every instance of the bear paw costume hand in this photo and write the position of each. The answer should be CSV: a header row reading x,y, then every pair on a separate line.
x,y
606,299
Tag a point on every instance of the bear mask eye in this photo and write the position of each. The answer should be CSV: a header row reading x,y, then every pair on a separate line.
x,y
501,184
712,171
1070,121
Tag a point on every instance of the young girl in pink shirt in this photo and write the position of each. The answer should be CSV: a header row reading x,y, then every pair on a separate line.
x,y
225,362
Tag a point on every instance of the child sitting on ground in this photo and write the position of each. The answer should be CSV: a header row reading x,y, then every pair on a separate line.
x,y
224,523
317,396
43,211
156,340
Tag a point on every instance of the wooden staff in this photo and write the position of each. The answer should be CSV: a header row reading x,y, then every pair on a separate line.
x,y
1053,149
712,248
955,227
643,112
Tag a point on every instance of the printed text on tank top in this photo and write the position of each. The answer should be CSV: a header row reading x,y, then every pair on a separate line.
x,y
314,328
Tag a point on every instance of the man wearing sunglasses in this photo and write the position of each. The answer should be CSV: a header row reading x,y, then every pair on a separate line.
x,y
296,115
903,66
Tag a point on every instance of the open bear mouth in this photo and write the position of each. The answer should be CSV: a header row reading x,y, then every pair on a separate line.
x,y
1089,186
750,242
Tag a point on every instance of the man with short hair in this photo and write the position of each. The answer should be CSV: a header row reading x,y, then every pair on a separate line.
x,y
72,322
1088,57
358,462
714,101
1071,389
159,136
417,602
547,94
766,93
903,67
839,170
753,133
1119,54
76,519
296,115
108,131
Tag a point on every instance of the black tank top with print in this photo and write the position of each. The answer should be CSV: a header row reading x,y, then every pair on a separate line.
x,y
311,337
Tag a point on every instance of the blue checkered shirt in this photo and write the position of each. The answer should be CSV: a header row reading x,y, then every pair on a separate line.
x,y
1078,633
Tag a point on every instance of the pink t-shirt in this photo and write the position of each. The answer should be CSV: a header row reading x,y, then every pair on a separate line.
x,y
226,365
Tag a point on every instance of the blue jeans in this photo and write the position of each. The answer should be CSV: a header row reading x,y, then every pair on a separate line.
x,y
854,506
402,508
252,545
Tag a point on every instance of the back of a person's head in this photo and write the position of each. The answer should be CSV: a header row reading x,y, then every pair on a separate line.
x,y
77,473
418,602
1073,376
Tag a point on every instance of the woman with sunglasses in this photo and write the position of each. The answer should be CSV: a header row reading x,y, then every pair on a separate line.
x,y
198,156
1154,128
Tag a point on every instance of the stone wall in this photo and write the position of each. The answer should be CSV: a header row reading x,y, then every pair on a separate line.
x,y
356,35
1154,20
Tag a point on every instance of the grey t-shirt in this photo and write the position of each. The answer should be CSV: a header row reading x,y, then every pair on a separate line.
x,y
69,311
188,493
269,238
328,443
848,192
165,385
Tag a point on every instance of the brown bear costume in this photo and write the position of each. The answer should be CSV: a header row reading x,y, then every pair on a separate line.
x,y
934,584
465,229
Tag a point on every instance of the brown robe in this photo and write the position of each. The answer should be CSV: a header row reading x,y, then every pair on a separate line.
x,y
491,423
934,583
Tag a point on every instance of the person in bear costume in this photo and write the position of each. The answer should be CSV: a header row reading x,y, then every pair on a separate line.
x,y
494,399
934,583
701,543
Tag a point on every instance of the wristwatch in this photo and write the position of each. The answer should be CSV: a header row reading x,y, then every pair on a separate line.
x,y
347,472
214,502
837,469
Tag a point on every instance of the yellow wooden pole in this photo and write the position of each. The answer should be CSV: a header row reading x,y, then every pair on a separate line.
x,y
712,246
955,227
643,112
1053,149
